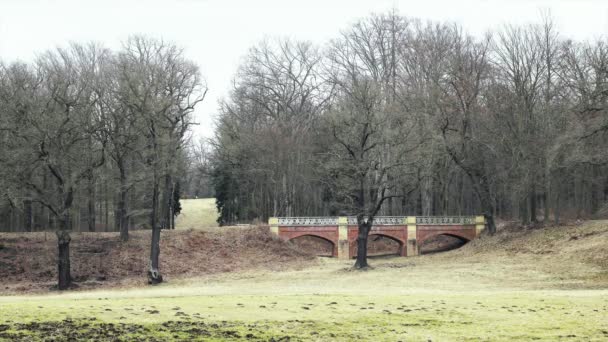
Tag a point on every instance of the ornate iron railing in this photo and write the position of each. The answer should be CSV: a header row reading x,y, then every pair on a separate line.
x,y
378,220
445,220
382,220
308,221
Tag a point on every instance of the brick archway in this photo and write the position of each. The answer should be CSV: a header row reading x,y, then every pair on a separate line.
x,y
396,236
329,234
333,244
465,235
409,232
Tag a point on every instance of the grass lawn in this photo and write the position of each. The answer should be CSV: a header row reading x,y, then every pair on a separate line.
x,y
547,285
197,213
415,299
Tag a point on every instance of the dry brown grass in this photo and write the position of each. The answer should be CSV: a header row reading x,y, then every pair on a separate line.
x,y
572,256
28,262
576,252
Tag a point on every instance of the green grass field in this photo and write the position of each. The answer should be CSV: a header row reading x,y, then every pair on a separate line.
x,y
197,213
546,285
400,299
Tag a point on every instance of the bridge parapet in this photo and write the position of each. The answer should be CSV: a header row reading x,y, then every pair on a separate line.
x,y
409,231
378,220
307,221
446,220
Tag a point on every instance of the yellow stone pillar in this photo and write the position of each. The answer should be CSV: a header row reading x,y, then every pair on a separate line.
x,y
480,224
273,222
412,246
343,245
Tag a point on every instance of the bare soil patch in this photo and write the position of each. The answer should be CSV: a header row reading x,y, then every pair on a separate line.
x,y
28,260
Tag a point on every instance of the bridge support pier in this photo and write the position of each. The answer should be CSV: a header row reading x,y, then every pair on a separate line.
x,y
480,224
412,244
343,245
273,222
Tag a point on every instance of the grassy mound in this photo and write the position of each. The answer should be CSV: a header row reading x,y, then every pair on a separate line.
x,y
28,260
575,252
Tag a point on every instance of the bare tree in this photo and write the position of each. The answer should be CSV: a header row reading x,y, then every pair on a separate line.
x,y
462,122
161,88
54,118
372,137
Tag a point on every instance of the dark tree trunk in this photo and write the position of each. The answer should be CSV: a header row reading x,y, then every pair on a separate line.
x,y
166,203
123,220
532,200
116,214
91,205
488,212
556,210
154,276
364,228
63,260
106,208
482,190
490,224
524,210
172,221
27,218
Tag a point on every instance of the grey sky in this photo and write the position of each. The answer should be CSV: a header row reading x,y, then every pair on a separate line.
x,y
216,34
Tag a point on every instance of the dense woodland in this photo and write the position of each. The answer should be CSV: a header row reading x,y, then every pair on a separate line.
x,y
86,131
396,116
92,137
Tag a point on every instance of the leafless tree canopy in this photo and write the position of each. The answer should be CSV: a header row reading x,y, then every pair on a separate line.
x,y
399,116
394,116
87,132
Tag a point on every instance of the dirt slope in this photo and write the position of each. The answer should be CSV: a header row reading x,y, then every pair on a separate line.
x,y
27,261
575,251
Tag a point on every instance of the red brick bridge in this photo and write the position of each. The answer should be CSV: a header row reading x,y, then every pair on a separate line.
x,y
409,231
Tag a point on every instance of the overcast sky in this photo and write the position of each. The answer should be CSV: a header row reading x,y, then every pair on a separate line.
x,y
216,34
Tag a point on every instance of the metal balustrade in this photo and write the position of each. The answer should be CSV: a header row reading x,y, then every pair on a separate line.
x,y
308,221
445,220
378,220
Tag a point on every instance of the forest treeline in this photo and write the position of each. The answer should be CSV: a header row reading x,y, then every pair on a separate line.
x,y
512,124
394,116
92,138
416,118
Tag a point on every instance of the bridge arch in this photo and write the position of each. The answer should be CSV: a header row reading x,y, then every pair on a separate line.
x,y
463,236
372,234
320,236
434,243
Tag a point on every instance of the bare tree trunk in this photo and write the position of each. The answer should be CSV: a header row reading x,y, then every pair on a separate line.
x,y
100,207
556,209
63,243
364,228
91,204
122,206
172,220
488,212
547,196
532,200
27,215
165,210
63,260
154,276
107,210
524,206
